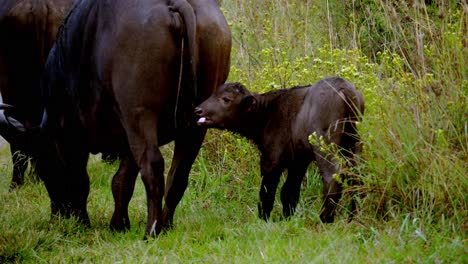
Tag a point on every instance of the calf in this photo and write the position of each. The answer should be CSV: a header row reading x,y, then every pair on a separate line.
x,y
280,123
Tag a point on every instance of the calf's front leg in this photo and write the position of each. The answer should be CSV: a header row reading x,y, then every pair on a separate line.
x,y
291,189
271,171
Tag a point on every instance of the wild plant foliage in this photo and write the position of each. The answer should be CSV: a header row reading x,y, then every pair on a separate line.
x,y
409,58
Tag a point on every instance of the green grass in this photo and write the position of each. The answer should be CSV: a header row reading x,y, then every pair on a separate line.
x,y
413,202
215,222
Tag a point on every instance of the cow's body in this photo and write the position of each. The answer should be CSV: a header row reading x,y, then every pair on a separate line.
x,y
280,123
115,83
27,31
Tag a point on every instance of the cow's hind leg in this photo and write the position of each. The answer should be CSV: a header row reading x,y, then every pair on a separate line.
x,y
142,135
152,170
123,185
187,146
291,189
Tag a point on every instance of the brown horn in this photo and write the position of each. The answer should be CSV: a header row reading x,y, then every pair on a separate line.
x,y
5,106
10,128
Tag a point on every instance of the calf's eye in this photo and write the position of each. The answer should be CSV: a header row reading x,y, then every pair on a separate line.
x,y
226,100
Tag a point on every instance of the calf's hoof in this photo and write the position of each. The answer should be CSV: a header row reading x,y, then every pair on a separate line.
x,y
263,214
327,219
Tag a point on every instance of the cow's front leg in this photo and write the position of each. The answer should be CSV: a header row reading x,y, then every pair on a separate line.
x,y
78,185
271,171
187,146
123,185
67,182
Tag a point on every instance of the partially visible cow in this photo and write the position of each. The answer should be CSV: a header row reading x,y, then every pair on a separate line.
x,y
280,122
124,77
27,31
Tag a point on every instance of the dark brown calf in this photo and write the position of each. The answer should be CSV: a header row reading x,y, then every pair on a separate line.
x,y
280,123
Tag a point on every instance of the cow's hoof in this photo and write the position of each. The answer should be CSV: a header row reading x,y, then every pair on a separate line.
x,y
119,226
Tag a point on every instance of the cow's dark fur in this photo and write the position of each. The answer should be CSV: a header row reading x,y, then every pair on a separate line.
x,y
114,82
280,122
27,32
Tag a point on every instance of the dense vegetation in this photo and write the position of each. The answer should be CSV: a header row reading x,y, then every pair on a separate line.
x,y
409,58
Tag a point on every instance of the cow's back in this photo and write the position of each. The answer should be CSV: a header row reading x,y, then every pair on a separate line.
x,y
119,56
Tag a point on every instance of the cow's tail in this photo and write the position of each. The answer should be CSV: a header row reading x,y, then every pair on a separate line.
x,y
190,21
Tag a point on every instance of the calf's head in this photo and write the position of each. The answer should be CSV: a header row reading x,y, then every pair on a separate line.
x,y
226,108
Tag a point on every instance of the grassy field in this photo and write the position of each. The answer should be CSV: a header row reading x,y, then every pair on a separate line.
x,y
410,60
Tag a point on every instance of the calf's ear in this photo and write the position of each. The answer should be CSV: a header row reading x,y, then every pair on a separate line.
x,y
248,103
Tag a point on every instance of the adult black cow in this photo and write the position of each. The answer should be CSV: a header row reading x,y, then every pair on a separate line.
x,y
124,77
280,122
27,31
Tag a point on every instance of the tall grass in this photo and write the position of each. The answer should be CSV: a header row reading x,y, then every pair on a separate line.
x,y
410,61
417,144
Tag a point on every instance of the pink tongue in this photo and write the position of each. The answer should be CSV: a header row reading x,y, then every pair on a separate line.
x,y
201,120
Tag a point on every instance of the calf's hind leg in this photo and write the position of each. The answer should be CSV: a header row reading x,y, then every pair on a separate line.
x,y
328,166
